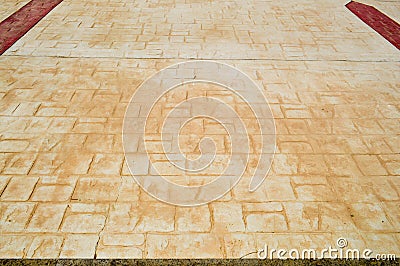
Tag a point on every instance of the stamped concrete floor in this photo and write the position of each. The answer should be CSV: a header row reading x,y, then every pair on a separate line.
x,y
333,86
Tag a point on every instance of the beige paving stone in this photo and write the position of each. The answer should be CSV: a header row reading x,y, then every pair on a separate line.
x,y
118,253
62,164
392,164
13,145
285,164
335,216
52,193
106,164
263,207
45,247
342,165
369,165
89,207
202,245
279,189
19,164
312,164
239,244
97,189
314,192
19,188
266,222
302,216
99,143
14,246
83,223
353,190
196,219
47,217
227,217
376,221
123,239
241,192
129,190
123,218
156,217
149,217
391,210
81,246
384,188
15,216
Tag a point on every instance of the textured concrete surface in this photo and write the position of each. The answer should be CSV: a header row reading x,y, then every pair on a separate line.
x,y
333,86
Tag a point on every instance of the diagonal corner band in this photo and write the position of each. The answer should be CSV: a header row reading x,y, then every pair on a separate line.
x,y
381,23
20,22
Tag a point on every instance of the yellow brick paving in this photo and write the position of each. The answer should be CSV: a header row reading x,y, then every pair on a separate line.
x,y
333,86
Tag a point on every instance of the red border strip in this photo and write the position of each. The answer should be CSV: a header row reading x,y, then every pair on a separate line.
x,y
19,23
378,21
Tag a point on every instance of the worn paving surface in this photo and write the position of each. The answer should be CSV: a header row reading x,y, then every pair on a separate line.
x,y
333,86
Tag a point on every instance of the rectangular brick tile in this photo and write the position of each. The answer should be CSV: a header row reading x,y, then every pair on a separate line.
x,y
342,165
302,216
279,188
19,188
14,246
369,217
335,216
89,207
110,252
83,223
352,190
97,189
384,187
312,164
14,216
99,143
181,246
369,165
47,217
263,207
122,239
45,247
19,164
123,217
239,244
266,222
129,190
155,217
106,164
80,246
227,217
195,219
52,193
312,192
